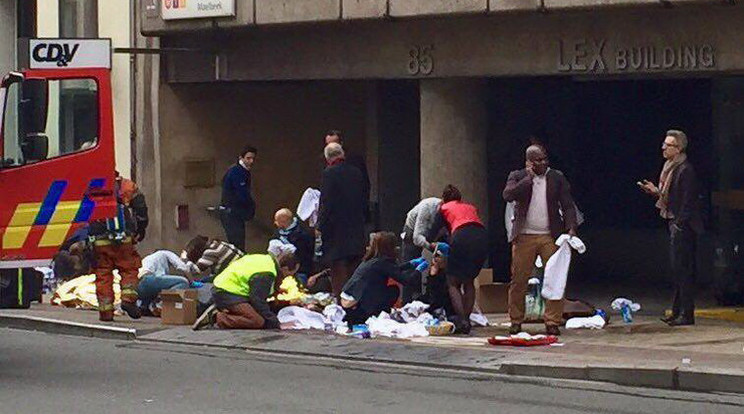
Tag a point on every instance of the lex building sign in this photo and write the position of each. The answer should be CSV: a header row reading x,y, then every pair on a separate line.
x,y
196,9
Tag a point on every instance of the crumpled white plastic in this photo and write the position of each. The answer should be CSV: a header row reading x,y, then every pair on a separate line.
x,y
556,269
334,315
413,310
276,247
594,322
618,304
383,325
478,319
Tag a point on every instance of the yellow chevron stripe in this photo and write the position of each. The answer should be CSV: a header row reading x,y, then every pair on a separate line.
x,y
59,225
20,224
54,235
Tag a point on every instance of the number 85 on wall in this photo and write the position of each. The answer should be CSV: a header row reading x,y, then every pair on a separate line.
x,y
421,60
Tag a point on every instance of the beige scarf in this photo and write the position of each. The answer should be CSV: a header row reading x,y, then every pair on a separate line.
x,y
665,182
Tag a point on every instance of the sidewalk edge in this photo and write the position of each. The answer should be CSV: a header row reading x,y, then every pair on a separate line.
x,y
57,326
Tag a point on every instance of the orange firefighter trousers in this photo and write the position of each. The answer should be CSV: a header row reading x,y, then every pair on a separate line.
x,y
124,257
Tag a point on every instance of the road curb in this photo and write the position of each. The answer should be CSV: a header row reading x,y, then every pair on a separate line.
x,y
661,378
57,326
672,378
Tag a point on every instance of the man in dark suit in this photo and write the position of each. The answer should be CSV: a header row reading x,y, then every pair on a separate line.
x,y
237,205
540,194
341,218
358,161
678,203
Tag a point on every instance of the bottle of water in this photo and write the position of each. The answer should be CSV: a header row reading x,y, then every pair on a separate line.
x,y
627,313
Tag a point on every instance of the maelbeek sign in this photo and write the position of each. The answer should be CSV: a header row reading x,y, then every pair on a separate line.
x,y
195,9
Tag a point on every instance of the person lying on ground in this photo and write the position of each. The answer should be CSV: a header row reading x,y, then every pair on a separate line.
x,y
290,230
367,292
162,270
211,256
74,257
242,290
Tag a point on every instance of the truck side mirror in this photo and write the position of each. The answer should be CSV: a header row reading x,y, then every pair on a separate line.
x,y
34,102
35,147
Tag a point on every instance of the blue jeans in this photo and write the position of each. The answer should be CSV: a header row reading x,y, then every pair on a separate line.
x,y
151,285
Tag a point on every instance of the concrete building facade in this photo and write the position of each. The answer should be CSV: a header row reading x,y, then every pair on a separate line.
x,y
437,92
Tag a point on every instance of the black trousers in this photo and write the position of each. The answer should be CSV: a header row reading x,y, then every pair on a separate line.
x,y
234,229
682,251
408,252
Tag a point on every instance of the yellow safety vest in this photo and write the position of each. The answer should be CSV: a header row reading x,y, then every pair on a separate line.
x,y
237,276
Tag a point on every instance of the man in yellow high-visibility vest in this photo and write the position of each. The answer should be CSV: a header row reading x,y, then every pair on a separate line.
x,y
241,291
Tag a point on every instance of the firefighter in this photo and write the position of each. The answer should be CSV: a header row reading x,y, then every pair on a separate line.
x,y
113,243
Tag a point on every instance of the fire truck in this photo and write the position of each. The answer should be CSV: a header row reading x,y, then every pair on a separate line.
x,y
56,151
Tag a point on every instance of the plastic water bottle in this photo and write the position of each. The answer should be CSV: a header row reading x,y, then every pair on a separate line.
x,y
627,314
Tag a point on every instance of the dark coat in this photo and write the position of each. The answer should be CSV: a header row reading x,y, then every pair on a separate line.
x,y
684,198
342,207
368,284
236,193
304,241
519,189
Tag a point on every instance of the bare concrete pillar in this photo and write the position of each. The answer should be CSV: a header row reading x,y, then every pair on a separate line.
x,y
454,127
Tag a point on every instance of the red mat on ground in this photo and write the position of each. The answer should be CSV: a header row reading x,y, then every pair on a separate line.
x,y
517,341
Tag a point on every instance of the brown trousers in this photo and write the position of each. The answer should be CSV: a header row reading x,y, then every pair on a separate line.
x,y
240,316
525,249
123,257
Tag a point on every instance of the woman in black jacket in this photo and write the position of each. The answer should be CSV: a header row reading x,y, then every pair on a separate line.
x,y
367,292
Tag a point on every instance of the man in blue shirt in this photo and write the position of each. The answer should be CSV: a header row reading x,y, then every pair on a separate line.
x,y
237,205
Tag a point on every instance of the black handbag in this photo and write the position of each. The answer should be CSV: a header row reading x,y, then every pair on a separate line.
x,y
19,287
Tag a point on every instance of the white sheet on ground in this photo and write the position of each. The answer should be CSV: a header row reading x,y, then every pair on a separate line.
x,y
478,319
594,322
383,325
295,317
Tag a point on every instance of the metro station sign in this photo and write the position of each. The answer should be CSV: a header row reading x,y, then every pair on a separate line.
x,y
196,9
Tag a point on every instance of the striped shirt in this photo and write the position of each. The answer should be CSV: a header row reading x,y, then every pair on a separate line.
x,y
217,256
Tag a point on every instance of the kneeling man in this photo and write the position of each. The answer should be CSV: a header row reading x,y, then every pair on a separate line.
x,y
241,291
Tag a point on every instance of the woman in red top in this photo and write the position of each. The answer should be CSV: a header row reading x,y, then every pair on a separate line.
x,y
468,253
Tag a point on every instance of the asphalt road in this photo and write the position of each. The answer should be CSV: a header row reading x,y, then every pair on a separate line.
x,y
43,373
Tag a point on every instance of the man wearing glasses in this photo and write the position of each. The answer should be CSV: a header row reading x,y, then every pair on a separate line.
x,y
678,203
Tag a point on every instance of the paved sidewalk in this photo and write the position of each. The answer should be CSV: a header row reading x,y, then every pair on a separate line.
x,y
706,357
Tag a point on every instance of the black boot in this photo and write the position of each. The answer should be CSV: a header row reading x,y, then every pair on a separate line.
x,y
131,309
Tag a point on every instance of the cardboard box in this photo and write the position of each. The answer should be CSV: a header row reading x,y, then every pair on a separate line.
x,y
485,277
179,306
491,297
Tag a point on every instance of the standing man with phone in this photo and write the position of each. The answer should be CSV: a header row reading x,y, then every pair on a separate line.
x,y
237,206
678,203
540,194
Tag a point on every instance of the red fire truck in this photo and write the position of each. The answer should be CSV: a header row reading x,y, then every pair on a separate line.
x,y
56,149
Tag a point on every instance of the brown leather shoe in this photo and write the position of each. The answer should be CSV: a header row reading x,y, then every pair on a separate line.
x,y
515,328
106,316
552,330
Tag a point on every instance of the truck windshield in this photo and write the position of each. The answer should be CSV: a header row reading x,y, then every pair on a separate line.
x,y
71,117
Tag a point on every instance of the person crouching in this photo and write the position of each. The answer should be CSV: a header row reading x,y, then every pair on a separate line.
x,y
367,293
242,290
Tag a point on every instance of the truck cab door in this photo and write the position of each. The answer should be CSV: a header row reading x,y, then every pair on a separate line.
x,y
56,160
